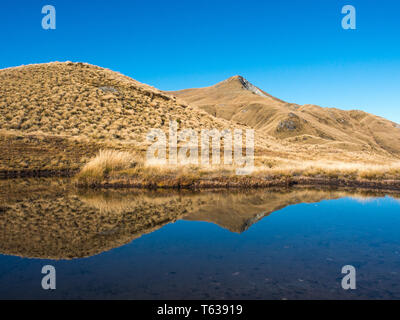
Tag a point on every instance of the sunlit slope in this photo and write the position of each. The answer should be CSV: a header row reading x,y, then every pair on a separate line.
x,y
238,100
57,116
77,99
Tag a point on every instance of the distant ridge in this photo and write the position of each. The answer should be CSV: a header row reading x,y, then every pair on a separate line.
x,y
237,100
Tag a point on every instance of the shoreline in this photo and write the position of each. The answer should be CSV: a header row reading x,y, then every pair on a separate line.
x,y
250,183
245,182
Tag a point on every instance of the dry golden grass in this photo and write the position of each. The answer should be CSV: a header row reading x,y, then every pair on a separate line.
x,y
73,102
333,170
190,176
77,99
105,163
57,116
344,131
29,153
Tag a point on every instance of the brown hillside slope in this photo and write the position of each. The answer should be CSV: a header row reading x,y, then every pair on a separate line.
x,y
76,99
238,100
50,112
55,117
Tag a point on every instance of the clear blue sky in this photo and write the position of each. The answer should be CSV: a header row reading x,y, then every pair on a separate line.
x,y
293,49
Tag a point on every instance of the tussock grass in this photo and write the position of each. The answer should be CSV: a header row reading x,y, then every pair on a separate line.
x,y
106,162
332,170
82,100
105,170
57,116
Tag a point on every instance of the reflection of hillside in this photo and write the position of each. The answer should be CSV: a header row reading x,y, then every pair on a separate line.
x,y
51,219
59,224
238,211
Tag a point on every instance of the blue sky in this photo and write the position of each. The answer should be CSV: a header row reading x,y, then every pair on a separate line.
x,y
293,49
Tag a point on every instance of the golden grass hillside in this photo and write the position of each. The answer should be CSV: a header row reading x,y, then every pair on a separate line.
x,y
64,117
77,99
119,169
237,100
67,104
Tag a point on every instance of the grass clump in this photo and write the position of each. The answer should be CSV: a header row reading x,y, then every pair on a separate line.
x,y
106,162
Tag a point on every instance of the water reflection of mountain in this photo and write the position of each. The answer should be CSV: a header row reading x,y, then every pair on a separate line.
x,y
51,219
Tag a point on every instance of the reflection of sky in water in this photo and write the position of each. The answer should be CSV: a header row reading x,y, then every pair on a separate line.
x,y
296,252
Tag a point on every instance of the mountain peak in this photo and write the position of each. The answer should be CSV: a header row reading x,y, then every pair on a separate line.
x,y
237,77
245,85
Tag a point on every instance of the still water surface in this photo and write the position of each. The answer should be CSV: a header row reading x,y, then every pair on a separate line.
x,y
261,244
